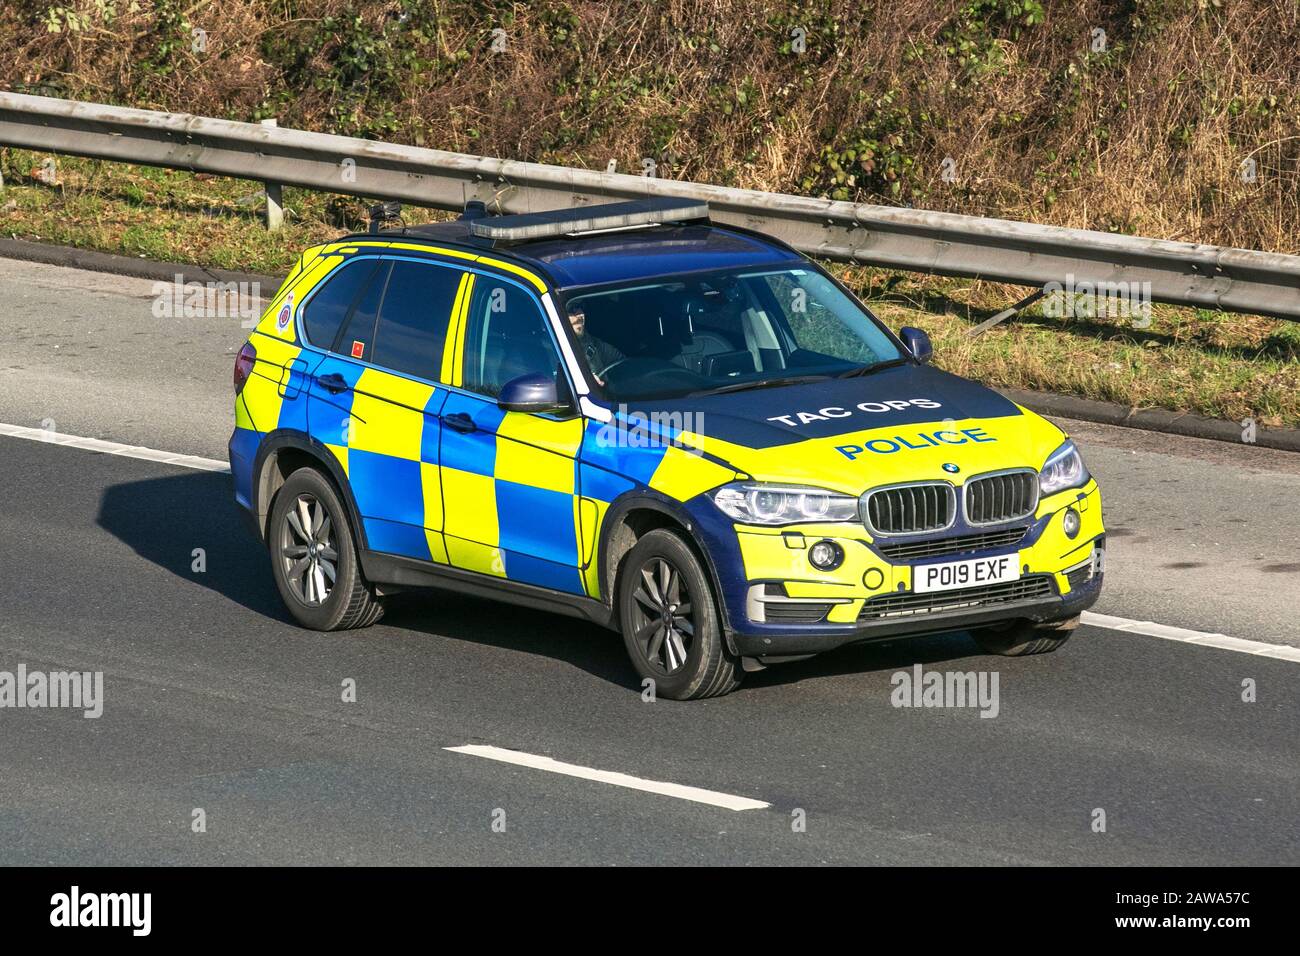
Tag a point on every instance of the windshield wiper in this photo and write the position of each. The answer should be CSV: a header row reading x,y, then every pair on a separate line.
x,y
762,383
868,369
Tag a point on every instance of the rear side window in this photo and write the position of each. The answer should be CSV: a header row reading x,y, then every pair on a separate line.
x,y
328,308
359,334
414,317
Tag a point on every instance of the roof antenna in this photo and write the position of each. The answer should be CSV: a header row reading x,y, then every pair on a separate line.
x,y
383,212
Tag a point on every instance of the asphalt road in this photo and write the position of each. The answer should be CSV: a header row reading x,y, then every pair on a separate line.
x,y
1202,533
213,700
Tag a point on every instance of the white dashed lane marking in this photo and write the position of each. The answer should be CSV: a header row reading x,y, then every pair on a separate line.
x,y
1201,638
725,800
51,437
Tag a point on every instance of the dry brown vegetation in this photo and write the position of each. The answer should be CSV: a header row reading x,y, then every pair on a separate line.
x,y
1146,136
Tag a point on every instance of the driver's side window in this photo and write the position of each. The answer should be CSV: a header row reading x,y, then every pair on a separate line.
x,y
506,336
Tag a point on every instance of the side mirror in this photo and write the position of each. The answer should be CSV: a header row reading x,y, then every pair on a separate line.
x,y
917,342
532,393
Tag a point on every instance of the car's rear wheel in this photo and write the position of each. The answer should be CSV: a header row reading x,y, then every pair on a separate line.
x,y
314,556
670,620
1021,638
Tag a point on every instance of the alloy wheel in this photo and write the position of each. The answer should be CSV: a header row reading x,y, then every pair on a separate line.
x,y
308,552
664,616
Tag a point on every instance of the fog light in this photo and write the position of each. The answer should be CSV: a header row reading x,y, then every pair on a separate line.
x,y
825,555
1071,522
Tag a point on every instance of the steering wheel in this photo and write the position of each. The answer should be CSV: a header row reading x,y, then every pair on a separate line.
x,y
601,373
634,368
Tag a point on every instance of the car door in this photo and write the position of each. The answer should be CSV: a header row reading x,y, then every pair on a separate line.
x,y
354,285
509,482
376,401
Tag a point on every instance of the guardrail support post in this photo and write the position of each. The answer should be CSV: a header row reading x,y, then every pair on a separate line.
x,y
274,197
274,206
1005,314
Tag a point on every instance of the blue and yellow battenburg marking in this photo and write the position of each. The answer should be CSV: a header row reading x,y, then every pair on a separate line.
x,y
523,497
519,496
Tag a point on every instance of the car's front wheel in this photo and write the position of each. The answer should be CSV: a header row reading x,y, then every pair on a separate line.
x,y
314,556
1020,638
670,620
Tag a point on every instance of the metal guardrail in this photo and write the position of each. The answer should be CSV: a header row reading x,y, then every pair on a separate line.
x,y
1180,273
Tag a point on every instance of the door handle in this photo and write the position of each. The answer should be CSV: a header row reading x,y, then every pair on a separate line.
x,y
333,383
460,422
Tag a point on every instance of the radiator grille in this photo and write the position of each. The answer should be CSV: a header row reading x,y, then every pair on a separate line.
x,y
906,551
906,604
1004,497
910,509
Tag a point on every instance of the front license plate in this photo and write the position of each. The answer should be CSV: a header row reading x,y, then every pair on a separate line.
x,y
971,573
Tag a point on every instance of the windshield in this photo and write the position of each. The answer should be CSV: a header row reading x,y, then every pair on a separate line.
x,y
722,331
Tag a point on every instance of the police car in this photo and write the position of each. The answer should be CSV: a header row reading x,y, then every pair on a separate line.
x,y
682,431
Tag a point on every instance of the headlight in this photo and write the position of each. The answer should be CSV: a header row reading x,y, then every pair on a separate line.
x,y
757,503
1065,469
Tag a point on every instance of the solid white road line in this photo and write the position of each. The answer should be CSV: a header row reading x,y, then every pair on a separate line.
x,y
1149,628
711,797
112,448
1201,638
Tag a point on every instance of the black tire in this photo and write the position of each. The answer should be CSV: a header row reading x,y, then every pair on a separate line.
x,y
348,600
688,620
1021,638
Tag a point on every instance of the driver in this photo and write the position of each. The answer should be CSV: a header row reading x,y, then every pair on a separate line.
x,y
600,355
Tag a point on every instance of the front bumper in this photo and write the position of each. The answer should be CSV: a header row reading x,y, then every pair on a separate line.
x,y
815,639
870,597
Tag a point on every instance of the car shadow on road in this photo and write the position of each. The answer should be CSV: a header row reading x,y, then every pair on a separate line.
x,y
874,656
164,520
569,640
600,652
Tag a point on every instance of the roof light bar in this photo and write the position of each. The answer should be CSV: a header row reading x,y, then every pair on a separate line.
x,y
563,222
